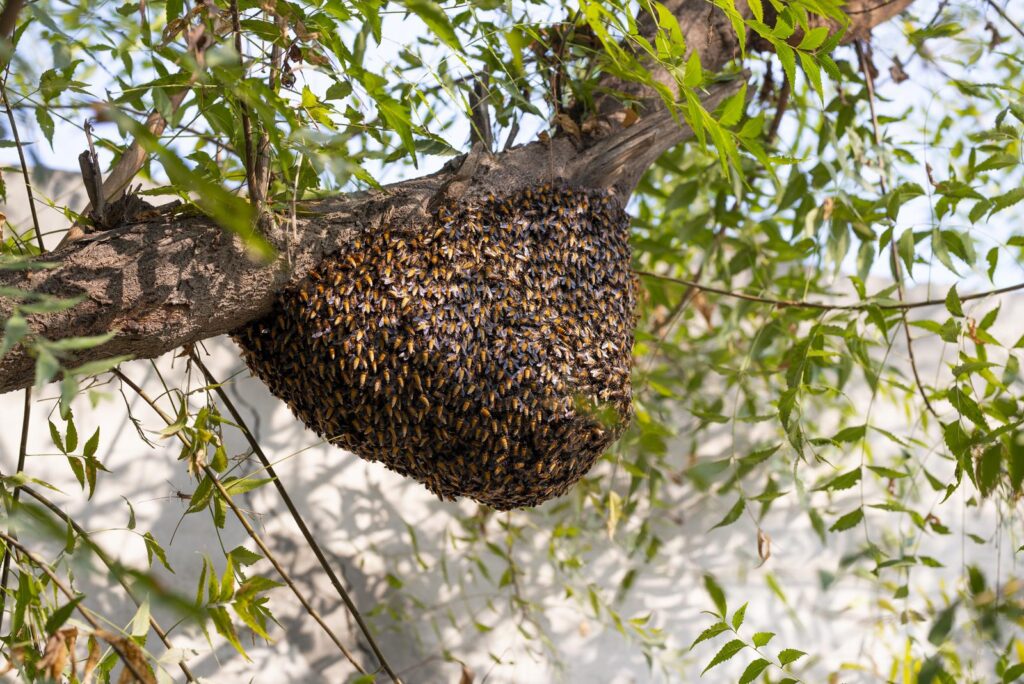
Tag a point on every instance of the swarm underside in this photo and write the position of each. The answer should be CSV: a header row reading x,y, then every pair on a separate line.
x,y
485,355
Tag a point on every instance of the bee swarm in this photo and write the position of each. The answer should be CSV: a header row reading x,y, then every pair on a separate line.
x,y
486,355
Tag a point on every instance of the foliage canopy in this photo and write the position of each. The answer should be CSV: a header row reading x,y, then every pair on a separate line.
x,y
850,203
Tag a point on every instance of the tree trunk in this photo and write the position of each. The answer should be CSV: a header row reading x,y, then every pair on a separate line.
x,y
177,278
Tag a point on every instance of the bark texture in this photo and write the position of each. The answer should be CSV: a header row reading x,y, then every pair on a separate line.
x,y
176,278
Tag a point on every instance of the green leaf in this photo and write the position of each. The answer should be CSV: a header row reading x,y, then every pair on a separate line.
x,y
716,593
244,557
61,615
756,9
1012,674
814,38
694,74
790,655
45,122
953,304
14,330
47,366
813,72
847,521
710,633
788,59
990,467
131,513
71,440
762,638
753,670
242,485
91,444
737,617
732,110
153,548
943,625
727,651
733,515
844,481
436,20
55,437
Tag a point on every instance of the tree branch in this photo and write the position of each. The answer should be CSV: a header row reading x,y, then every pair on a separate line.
x,y
177,278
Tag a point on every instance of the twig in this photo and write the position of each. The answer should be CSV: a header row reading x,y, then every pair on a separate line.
x,y
296,516
250,154
689,293
822,306
894,258
85,612
22,453
1016,27
780,109
112,565
245,524
24,166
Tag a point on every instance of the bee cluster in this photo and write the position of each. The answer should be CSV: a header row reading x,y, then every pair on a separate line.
x,y
486,355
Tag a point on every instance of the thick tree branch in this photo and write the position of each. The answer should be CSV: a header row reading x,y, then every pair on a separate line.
x,y
177,278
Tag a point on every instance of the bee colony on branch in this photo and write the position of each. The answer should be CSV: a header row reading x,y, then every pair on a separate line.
x,y
486,355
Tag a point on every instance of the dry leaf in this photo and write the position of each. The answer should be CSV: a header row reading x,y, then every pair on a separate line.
x,y
565,122
467,675
92,661
59,647
764,546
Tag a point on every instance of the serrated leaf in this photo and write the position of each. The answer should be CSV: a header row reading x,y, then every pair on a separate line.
x,y
814,38
45,122
788,59
61,615
71,439
436,20
710,633
756,9
733,515
813,72
91,445
790,655
716,593
737,617
953,304
244,557
727,651
753,671
14,330
242,485
762,638
847,521
693,76
841,482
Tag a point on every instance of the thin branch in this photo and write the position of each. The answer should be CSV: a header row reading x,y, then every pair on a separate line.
x,y
245,524
250,154
22,453
780,109
296,516
822,306
689,292
1016,27
85,612
24,165
115,568
897,269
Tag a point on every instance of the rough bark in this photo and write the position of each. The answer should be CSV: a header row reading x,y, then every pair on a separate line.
x,y
177,278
